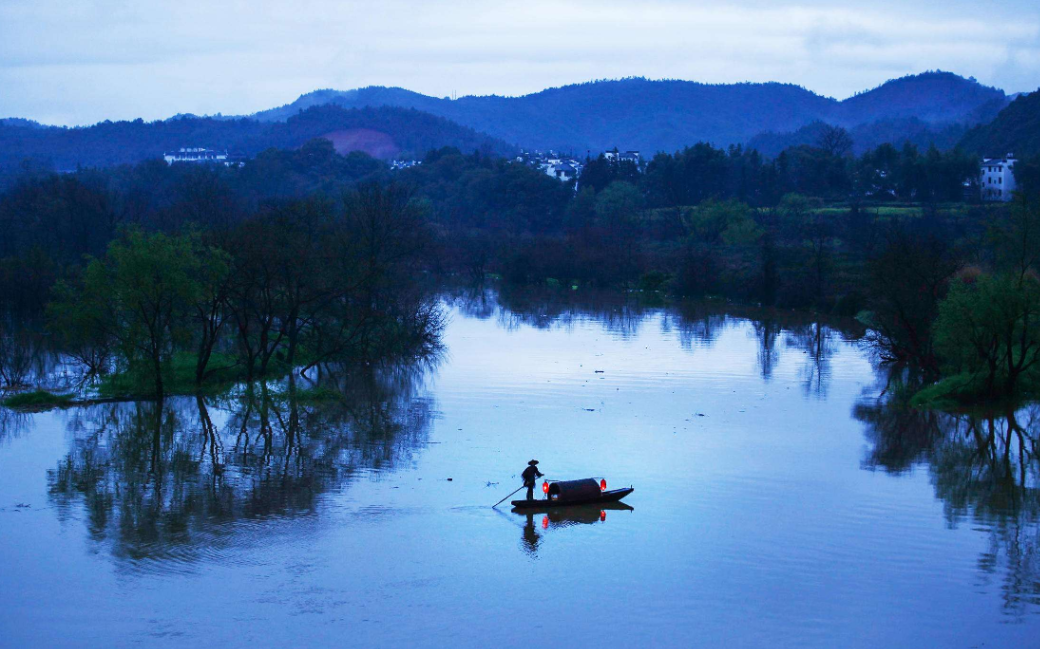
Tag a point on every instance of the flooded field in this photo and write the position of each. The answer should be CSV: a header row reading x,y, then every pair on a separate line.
x,y
781,500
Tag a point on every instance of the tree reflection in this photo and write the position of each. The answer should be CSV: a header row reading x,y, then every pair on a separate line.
x,y
815,340
543,307
985,468
477,301
767,331
699,324
29,360
176,479
13,423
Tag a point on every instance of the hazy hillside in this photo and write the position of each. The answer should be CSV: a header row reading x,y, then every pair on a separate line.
x,y
867,136
668,115
18,121
933,97
1015,130
385,130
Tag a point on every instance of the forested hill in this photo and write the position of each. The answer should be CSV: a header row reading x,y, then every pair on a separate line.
x,y
896,131
668,115
1015,130
383,132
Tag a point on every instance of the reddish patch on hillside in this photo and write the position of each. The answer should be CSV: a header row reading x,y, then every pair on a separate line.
x,y
375,143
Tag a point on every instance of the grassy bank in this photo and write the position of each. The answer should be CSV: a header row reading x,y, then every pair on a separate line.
x,y
36,400
222,372
966,389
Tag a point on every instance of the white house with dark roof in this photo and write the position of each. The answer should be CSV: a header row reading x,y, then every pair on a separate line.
x,y
619,156
997,178
562,171
196,155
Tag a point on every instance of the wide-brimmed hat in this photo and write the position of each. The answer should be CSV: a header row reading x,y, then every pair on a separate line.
x,y
533,462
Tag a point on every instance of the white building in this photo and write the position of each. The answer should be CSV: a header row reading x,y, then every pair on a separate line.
x,y
564,171
997,178
618,156
196,155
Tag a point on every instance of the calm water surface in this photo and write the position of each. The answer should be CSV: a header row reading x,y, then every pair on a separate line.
x,y
779,502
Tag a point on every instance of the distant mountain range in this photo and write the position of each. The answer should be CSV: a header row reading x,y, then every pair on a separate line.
x,y
384,132
649,116
656,116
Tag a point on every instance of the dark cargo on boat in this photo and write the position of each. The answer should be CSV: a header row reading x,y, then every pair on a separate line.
x,y
574,492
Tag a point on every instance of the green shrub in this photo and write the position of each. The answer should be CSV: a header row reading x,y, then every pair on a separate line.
x,y
37,399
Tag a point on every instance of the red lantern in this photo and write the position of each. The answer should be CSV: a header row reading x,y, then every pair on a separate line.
x,y
602,515
545,487
603,484
545,522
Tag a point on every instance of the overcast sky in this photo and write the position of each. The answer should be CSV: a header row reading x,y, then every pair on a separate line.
x,y
81,61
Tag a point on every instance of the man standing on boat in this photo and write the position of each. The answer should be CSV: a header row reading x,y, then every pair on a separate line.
x,y
530,474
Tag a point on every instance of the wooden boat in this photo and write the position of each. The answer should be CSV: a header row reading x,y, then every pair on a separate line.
x,y
563,493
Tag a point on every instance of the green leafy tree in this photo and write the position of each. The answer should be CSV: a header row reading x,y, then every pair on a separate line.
x,y
804,223
1014,237
618,205
618,209
138,297
208,303
907,278
989,327
722,222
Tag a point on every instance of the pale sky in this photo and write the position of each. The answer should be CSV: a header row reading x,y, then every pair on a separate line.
x,y
82,61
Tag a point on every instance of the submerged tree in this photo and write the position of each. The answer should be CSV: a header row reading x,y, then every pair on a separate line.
x,y
989,328
137,300
908,277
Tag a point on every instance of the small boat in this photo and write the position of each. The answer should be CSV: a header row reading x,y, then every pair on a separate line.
x,y
562,493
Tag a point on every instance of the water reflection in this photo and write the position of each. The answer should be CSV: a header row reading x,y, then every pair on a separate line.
x,y
699,324
22,351
817,342
177,480
13,423
28,359
538,524
246,485
985,468
547,308
696,324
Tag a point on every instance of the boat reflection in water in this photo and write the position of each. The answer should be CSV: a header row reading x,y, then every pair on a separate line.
x,y
556,518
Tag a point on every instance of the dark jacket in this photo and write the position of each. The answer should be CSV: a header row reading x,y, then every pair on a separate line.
x,y
529,475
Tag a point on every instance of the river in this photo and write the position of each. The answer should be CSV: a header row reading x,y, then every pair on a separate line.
x,y
780,499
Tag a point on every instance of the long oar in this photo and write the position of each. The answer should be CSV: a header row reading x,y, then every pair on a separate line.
x,y
504,499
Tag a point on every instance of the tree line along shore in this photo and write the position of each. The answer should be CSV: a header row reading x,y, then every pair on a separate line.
x,y
178,276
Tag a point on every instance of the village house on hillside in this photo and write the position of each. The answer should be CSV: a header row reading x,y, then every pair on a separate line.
x,y
552,164
396,165
619,156
997,178
200,155
563,171
566,169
